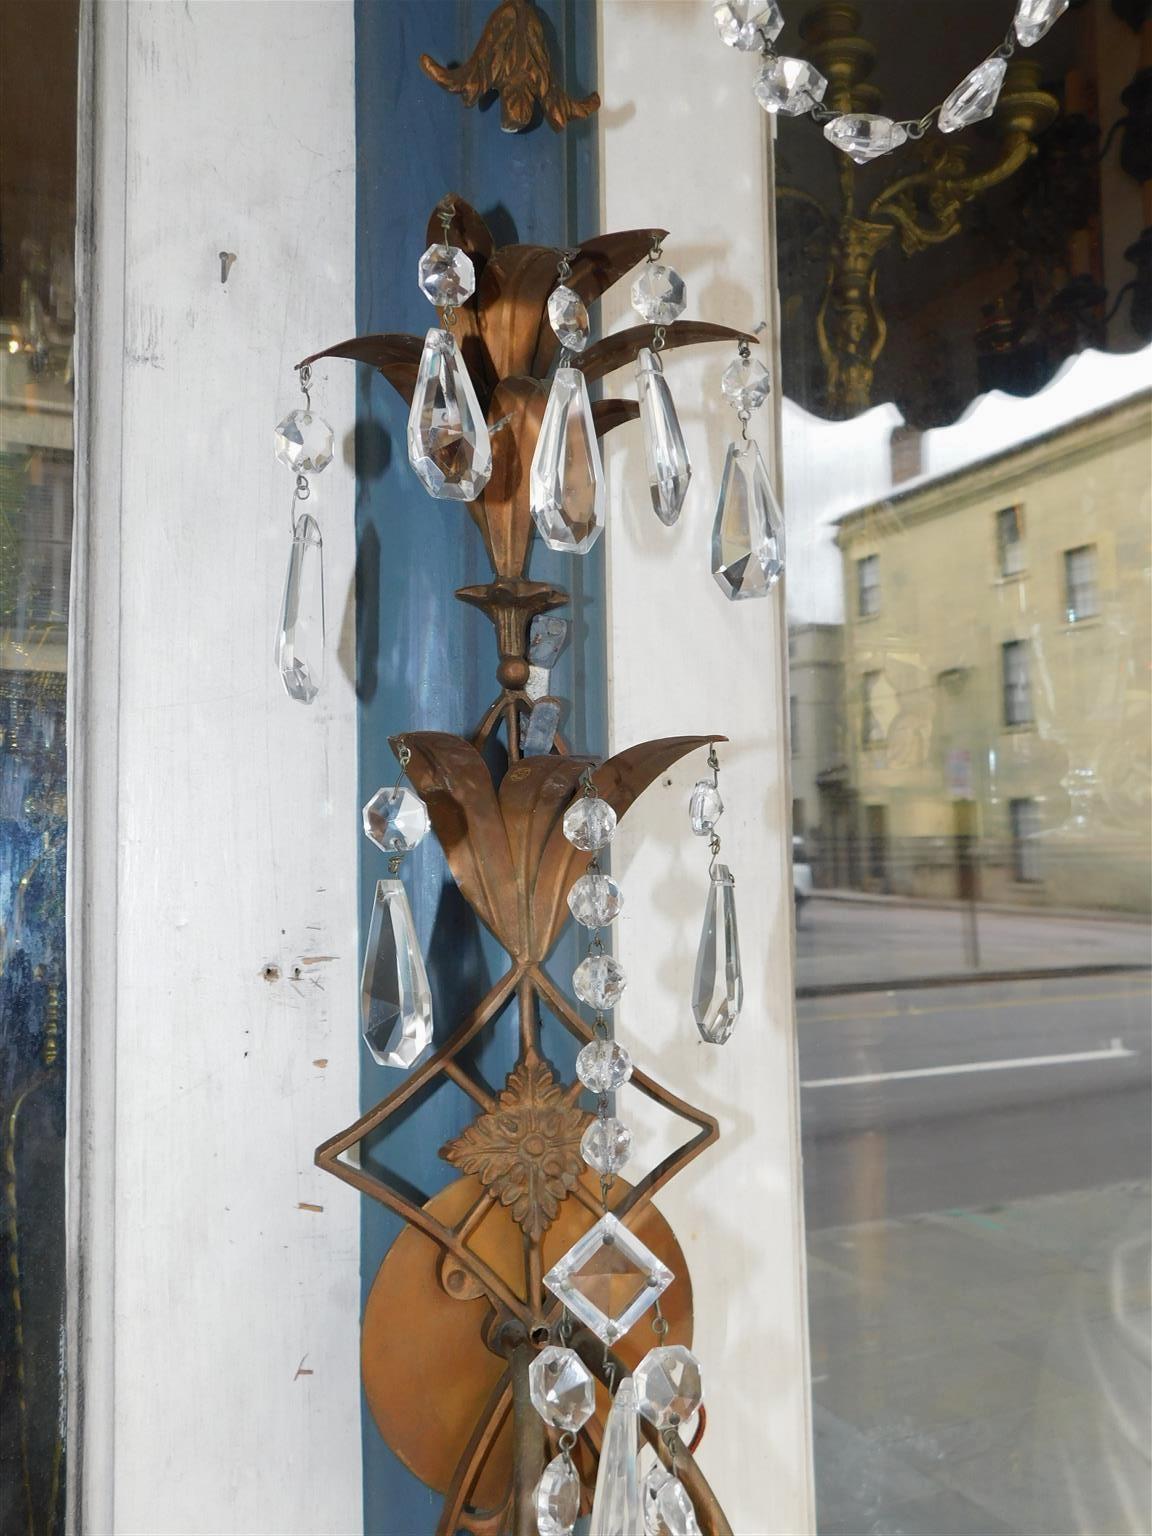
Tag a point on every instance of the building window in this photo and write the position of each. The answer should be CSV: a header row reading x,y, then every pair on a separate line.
x,y
1017,685
1010,540
871,731
1025,817
868,586
794,725
1080,597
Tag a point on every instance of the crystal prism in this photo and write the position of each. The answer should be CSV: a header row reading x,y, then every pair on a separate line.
x,y
863,136
974,98
675,1515
300,642
395,820
790,86
748,535
567,479
395,1003
608,1279
658,294
446,276
448,442
749,25
568,317
664,452
539,729
606,1145
599,981
718,987
1034,17
746,383
557,1497
668,1389
589,823
546,638
304,443
603,1066
705,808
616,1507
561,1387
595,899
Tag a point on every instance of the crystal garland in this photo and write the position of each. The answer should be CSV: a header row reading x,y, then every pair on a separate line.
x,y
794,87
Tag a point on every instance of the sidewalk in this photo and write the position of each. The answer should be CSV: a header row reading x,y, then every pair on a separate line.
x,y
846,940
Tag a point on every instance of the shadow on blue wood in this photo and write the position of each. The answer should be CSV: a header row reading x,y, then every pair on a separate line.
x,y
424,660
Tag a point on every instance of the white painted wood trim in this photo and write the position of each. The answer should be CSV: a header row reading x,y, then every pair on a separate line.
x,y
215,1381
684,145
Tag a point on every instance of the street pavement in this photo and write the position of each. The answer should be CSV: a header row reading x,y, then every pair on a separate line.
x,y
977,1178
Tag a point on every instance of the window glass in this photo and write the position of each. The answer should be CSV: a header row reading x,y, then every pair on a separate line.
x,y
38,61
967,378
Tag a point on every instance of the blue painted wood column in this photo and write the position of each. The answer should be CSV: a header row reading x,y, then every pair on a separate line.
x,y
424,660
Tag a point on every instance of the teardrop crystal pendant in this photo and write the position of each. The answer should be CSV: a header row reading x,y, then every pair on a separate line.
x,y
300,642
448,442
616,1507
567,479
974,98
748,534
395,1003
718,988
664,452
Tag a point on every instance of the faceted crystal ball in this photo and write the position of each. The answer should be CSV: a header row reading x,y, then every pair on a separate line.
x,y
589,823
395,820
668,1387
974,98
863,136
563,1392
603,1066
1034,17
446,276
557,1498
790,86
749,25
746,383
595,899
705,808
658,294
304,443
599,981
606,1145
568,317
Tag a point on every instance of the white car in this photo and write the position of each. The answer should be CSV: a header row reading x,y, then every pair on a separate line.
x,y
801,874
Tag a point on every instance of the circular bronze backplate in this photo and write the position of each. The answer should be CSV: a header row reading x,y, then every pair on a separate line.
x,y
427,1371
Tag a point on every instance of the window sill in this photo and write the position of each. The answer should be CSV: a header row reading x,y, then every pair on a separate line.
x,y
1009,578
1018,730
1089,621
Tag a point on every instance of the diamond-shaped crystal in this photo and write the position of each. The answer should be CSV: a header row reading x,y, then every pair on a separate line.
x,y
668,1388
300,639
595,899
446,276
746,383
748,534
790,86
658,1475
304,443
603,1066
568,317
395,820
705,807
863,136
546,639
749,25
599,981
674,1512
395,1003
557,1497
567,477
1034,17
539,729
589,823
448,442
718,986
616,1507
665,455
658,294
974,98
606,1144
562,1390
608,1280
